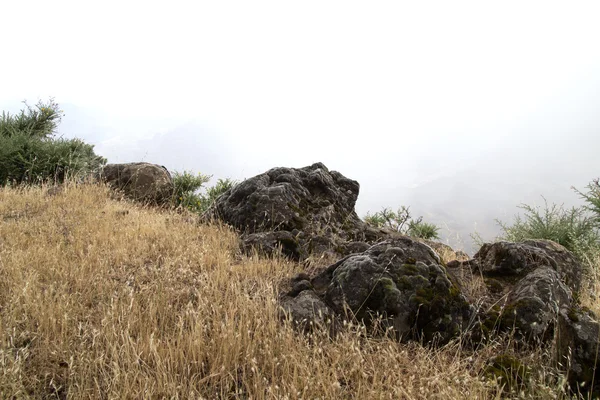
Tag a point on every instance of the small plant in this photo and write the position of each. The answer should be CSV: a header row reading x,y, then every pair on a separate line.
x,y
213,192
423,230
186,187
592,197
401,221
187,190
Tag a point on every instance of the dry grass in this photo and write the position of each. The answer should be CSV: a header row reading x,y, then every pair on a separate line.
x,y
103,299
590,297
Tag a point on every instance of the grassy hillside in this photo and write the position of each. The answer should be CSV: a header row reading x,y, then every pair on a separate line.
x,y
104,299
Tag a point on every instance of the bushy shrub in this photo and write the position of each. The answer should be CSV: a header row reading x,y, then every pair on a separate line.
x,y
592,197
187,190
423,230
573,228
38,122
401,221
186,187
215,191
29,152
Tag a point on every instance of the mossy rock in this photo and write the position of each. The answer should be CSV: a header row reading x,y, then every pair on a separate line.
x,y
510,372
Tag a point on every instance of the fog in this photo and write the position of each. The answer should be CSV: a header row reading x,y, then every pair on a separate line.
x,y
461,111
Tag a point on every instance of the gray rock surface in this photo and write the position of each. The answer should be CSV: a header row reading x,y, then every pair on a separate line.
x,y
402,281
313,204
578,346
143,182
527,284
307,311
507,259
535,301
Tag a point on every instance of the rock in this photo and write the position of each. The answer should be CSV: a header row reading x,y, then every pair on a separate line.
x,y
578,343
272,243
402,281
528,284
300,287
509,259
534,303
446,253
313,205
307,311
143,182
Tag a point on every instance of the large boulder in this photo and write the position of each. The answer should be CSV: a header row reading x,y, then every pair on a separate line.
x,y
531,288
313,205
529,283
401,281
513,260
143,182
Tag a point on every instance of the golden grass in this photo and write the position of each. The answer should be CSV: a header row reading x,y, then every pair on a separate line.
x,y
105,299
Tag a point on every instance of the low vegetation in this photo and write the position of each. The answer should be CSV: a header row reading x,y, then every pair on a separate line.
x,y
401,221
188,191
577,228
30,152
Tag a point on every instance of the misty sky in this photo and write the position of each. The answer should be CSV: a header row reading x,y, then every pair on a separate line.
x,y
461,110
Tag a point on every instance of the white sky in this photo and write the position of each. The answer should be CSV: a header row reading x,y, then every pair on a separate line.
x,y
393,94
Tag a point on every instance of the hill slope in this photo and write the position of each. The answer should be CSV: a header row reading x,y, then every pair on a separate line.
x,y
104,299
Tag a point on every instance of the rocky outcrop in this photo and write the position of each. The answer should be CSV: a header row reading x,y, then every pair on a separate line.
x,y
532,288
314,206
419,289
529,290
528,284
509,260
143,182
399,280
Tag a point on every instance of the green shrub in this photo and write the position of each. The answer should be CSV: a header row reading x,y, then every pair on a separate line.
x,y
401,221
423,230
38,122
187,190
592,197
29,153
215,191
186,187
24,159
389,219
573,228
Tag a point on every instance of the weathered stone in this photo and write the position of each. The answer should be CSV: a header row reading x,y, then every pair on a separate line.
x,y
272,243
307,311
578,344
143,182
313,204
535,301
402,281
515,260
525,285
445,252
